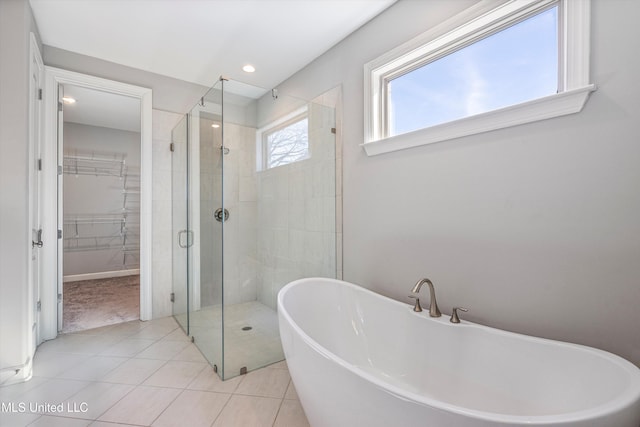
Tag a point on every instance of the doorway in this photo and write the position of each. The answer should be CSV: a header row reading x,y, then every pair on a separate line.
x,y
103,233
101,208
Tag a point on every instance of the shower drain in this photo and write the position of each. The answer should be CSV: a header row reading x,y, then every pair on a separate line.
x,y
247,328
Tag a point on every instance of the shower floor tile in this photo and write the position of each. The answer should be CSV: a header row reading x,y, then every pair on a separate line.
x,y
252,348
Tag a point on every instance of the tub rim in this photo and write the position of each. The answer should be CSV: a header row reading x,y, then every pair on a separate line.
x,y
625,400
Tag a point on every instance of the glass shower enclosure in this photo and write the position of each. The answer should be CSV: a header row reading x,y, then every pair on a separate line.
x,y
254,202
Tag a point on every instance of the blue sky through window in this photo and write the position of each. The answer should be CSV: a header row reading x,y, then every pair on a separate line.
x,y
512,66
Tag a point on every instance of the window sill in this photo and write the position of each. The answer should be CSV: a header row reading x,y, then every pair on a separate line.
x,y
561,104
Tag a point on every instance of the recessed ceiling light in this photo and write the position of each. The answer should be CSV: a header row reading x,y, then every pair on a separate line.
x,y
248,68
215,125
68,100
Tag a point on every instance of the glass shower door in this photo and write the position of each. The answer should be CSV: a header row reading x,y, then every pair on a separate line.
x,y
206,171
182,237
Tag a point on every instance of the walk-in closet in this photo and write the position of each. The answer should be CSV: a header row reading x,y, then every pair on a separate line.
x,y
100,189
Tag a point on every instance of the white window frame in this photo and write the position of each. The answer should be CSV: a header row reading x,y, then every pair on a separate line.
x,y
293,117
475,23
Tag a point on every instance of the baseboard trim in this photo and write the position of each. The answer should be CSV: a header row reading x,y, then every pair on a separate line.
x,y
16,374
100,275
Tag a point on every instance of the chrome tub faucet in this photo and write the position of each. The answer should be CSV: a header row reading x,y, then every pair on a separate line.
x,y
434,311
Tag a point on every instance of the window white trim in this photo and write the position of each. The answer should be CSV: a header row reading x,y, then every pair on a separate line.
x,y
464,28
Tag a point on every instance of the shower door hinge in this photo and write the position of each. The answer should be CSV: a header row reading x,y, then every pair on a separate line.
x,y
59,170
39,164
173,297
59,234
39,306
59,106
333,130
59,298
172,147
39,94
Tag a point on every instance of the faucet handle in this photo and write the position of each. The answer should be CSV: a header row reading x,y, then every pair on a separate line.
x,y
454,315
417,307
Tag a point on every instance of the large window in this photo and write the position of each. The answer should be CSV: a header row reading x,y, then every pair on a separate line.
x,y
487,68
517,64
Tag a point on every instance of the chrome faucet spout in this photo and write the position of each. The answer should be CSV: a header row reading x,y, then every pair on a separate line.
x,y
434,311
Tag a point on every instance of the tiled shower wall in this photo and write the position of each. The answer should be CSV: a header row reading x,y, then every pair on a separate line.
x,y
297,213
282,223
240,230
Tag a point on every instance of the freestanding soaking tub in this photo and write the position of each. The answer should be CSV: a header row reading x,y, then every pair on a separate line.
x,y
359,359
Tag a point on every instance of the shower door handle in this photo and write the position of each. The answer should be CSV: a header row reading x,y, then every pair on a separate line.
x,y
189,235
180,234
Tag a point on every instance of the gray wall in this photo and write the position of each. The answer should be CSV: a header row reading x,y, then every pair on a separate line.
x,y
534,228
16,22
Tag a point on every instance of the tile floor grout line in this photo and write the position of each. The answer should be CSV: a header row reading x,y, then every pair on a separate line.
x,y
57,416
222,410
115,403
166,407
278,413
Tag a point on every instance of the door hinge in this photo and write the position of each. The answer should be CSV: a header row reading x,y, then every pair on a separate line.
x,y
59,170
59,234
39,306
173,297
333,130
39,94
39,164
59,298
38,242
59,106
172,147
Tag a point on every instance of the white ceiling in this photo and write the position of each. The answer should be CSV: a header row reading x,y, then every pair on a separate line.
x,y
200,40
97,108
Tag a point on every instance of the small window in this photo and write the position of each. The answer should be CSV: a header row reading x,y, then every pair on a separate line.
x,y
487,68
285,141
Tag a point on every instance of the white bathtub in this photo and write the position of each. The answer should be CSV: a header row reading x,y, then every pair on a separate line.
x,y
358,359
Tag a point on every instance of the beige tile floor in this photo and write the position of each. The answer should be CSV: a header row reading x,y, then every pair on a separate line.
x,y
144,374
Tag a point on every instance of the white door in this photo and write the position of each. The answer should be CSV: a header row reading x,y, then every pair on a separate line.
x,y
35,182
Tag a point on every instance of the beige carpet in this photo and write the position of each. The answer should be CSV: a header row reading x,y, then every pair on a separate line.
x,y
89,304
